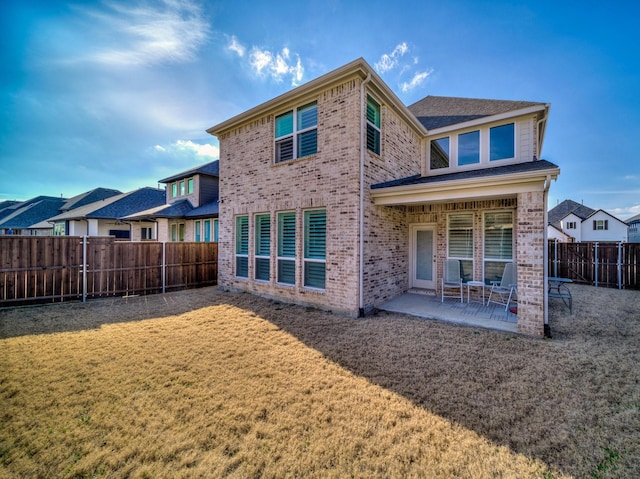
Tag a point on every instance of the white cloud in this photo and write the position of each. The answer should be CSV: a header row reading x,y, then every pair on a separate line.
x,y
417,80
389,61
236,46
199,149
277,65
171,31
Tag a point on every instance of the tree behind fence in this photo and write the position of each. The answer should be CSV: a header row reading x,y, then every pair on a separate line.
x,y
50,269
613,265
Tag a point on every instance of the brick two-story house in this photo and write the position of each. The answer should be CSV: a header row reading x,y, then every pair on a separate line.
x,y
337,195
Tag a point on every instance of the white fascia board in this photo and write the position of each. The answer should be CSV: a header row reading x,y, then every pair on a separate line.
x,y
489,119
475,188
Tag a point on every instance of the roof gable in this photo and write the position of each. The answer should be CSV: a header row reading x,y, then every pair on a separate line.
x,y
440,111
208,169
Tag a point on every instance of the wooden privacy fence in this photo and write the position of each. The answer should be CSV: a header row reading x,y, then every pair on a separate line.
x,y
59,268
612,265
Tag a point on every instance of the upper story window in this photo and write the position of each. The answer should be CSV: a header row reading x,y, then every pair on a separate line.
x,y
571,225
469,148
601,225
373,125
440,153
473,147
502,142
182,188
296,133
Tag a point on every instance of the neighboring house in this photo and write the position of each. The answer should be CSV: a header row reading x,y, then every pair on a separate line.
x,y
634,229
190,212
26,217
104,217
583,224
337,195
554,233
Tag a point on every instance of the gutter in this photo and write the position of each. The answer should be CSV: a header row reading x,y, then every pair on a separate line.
x,y
361,233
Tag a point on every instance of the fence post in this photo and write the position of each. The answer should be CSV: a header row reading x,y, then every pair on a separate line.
x,y
164,265
84,269
555,257
596,262
620,265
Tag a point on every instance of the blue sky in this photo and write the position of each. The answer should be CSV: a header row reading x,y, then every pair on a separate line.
x,y
119,94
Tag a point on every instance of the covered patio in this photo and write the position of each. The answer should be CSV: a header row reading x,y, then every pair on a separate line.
x,y
474,313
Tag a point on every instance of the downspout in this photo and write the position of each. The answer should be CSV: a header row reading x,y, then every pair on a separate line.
x,y
545,256
361,232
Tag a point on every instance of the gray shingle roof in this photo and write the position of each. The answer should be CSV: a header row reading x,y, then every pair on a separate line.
x,y
88,197
558,212
439,111
528,166
210,169
31,212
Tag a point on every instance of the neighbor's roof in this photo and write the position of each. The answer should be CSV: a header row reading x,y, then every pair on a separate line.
x,y
560,211
210,169
174,210
88,197
31,212
529,166
117,206
633,219
440,111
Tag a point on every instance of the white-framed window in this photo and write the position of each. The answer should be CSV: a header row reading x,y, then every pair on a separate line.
x,y
262,247
146,233
286,251
571,225
373,126
296,133
469,148
502,141
216,229
498,243
315,248
440,153
242,246
197,231
190,186
174,189
182,190
601,225
174,232
460,242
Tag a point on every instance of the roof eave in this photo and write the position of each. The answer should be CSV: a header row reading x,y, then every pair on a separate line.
x,y
492,118
453,190
357,67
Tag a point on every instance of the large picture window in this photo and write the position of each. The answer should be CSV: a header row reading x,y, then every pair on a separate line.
x,y
242,246
287,247
460,242
502,142
296,133
498,243
373,125
315,243
263,247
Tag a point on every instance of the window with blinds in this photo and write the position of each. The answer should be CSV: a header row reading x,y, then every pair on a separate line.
x,y
263,247
498,243
242,246
373,125
460,242
315,245
296,133
287,247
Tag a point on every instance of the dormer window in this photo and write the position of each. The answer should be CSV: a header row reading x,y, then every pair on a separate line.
x,y
469,148
502,142
296,133
440,153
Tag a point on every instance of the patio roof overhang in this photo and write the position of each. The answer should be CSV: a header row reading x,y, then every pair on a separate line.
x,y
455,188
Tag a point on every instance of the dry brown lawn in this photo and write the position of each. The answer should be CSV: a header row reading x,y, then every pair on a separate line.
x,y
204,383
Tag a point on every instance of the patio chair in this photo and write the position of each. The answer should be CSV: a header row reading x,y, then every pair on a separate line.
x,y
451,279
505,288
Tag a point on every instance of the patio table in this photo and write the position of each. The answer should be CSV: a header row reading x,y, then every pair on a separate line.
x,y
558,289
476,284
